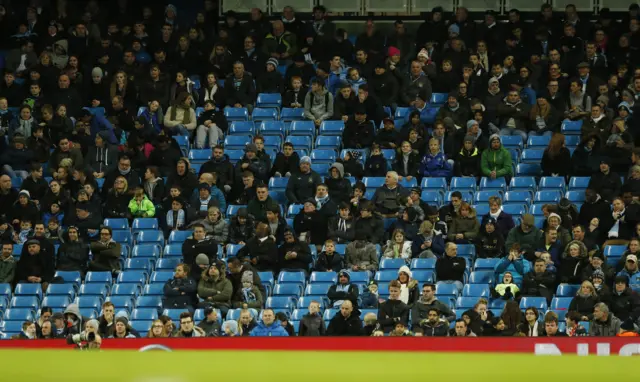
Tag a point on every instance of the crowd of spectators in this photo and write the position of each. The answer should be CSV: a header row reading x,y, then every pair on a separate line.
x,y
69,109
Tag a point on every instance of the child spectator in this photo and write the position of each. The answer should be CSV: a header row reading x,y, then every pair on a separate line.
x,y
25,233
249,296
294,97
329,260
370,297
546,256
176,216
507,289
140,206
413,123
490,243
284,321
376,165
53,231
398,247
435,164
54,212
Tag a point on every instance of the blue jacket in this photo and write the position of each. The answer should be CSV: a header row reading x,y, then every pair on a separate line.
x,y
437,245
520,266
435,166
427,115
528,95
504,223
275,330
100,123
216,194
355,85
335,80
634,278
154,120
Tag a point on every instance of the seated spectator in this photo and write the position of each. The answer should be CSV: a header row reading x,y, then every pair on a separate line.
x,y
303,185
7,264
526,234
387,136
574,328
287,162
35,266
293,255
370,297
176,217
496,160
433,325
277,224
270,81
106,252
586,157
359,132
260,250
240,89
531,327
180,118
413,123
507,289
188,328
215,225
318,103
352,165
208,196
450,268
312,324
35,183
153,185
514,116
539,282
376,165
631,270
597,263
24,209
413,83
140,206
467,161
407,162
604,182
295,95
268,327
398,247
464,227
360,255
249,294
574,259
556,158
329,260
604,323
280,43
125,171
578,102
544,118
428,244
386,197
212,91
584,301
210,324
180,291
154,116
504,221
551,325
17,159
620,229
490,242
311,224
345,323
461,329
624,301
197,244
384,84
284,321
241,227
246,323
73,254
435,163
407,221
212,124
393,310
339,188
117,202
259,206
408,287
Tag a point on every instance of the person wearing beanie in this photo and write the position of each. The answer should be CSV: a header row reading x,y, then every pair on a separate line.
x,y
343,290
180,291
467,160
598,264
121,328
300,68
384,84
628,329
490,242
214,287
303,185
248,294
270,81
496,160
211,324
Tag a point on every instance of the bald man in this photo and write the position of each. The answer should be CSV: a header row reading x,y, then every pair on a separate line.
x,y
8,195
346,323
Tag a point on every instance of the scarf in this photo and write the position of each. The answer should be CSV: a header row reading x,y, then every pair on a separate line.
x,y
321,201
248,295
204,204
454,109
124,172
175,219
150,186
615,230
596,120
341,288
533,331
209,94
25,127
404,293
495,216
342,225
186,118
405,162
102,158
318,26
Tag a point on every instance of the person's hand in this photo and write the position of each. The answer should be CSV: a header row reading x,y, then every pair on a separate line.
x,y
426,244
399,178
355,267
459,236
237,105
354,200
392,67
108,316
15,221
245,165
32,279
241,243
293,255
409,178
345,118
37,202
510,258
483,316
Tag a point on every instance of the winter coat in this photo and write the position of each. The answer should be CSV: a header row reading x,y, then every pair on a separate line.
x,y
337,297
585,162
435,166
302,186
108,255
541,285
73,256
468,226
238,233
437,245
191,248
210,328
609,328
386,200
219,230
504,223
327,263
560,165
339,188
259,209
571,267
217,292
528,241
223,168
467,163
412,164
143,209
404,253
439,329
450,268
242,92
376,165
265,251
584,305
420,311
301,261
391,311
625,305
284,165
358,135
607,186
341,326
274,330
40,265
314,225
179,293
7,270
372,227
490,245
365,256
312,326
498,160
104,159
117,205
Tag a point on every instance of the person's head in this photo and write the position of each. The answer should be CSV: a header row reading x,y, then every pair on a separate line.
x,y
587,289
539,266
451,249
305,165
394,290
157,329
181,271
391,179
186,322
7,250
551,323
601,311
199,232
618,204
578,232
461,328
531,315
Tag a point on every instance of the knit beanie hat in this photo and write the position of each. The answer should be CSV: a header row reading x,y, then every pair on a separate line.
x,y
202,259
247,277
273,62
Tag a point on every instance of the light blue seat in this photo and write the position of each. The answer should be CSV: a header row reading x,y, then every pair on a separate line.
x,y
54,302
167,264
408,184
434,183
5,290
243,128
614,250
174,314
132,277
571,127
512,141
233,249
385,276
291,277
423,275
98,278
519,183
528,169
199,155
485,264
144,223
567,290
323,156
331,142
280,302
465,303
19,314
236,113
272,129
463,184
100,290
466,250
323,277
179,236
293,210
423,264
394,264
292,290
321,168
373,182
476,290
539,142
141,326
483,196
62,290
498,184
517,197
236,142
149,302
10,327
482,277
560,302
266,100
539,303
300,141
481,209
577,183
160,277
515,210
122,237
232,209
116,223
292,114
264,114
547,196
331,128
89,302
148,250
552,183
129,289
28,289
359,277
317,289
69,277
143,264
576,196
173,250
402,113
153,290
432,197
149,236
438,98
278,184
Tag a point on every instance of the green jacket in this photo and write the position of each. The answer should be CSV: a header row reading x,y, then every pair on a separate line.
x,y
498,160
259,209
217,292
528,241
144,209
272,44
7,270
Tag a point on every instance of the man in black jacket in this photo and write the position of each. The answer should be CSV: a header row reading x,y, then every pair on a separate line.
x,y
346,323
240,89
221,165
433,326
180,291
73,254
302,185
539,282
606,183
197,244
359,132
261,250
393,310
625,302
124,169
343,290
450,268
236,269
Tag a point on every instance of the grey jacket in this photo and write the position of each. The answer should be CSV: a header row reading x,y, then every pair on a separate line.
x,y
609,328
318,106
366,257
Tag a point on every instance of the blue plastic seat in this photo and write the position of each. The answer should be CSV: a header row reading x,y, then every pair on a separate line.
x,y
547,196
278,184
481,209
28,289
10,327
269,100
476,290
423,275
466,250
373,182
323,156
539,303
232,209
286,277
485,264
292,114
576,196
483,196
515,210
323,277
272,129
571,127
28,302
394,264
512,141
517,197
199,155
552,183
5,290
174,314
423,264
402,113
331,128
93,290
528,169
292,290
328,314
122,237
160,277
89,302
465,303
467,196
144,223
149,302
129,289
438,98
614,250
167,264
331,142
538,141
62,290
499,184
132,277
122,302
579,183
264,114
463,184
567,290
317,289
143,264
359,277
408,184
560,303
116,223
386,276
148,250
236,113
145,313
236,142
300,141
280,302
173,250
482,277
179,236
242,128
150,236
19,314
69,277
98,278
519,183
233,249
153,290
432,197
55,302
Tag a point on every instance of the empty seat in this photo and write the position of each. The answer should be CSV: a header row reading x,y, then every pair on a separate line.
x,y
167,264
92,302
178,236
552,183
324,277
511,141
483,196
122,302
523,183
323,156
423,264
560,303
293,290
538,141
149,302
576,196
292,114
291,277
160,277
571,127
579,182
98,277
614,250
567,290
482,277
539,303
116,223
153,290
144,314
266,277
143,264
476,290
199,155
280,302
465,303
136,277
233,249
463,184
264,114
122,237
317,289
434,183
147,223
499,184
438,98
150,236
236,113
146,251
28,289
173,250
528,169
19,314
423,276
236,142
131,290
96,289
547,196
485,264
69,276
141,326
244,128
300,141
531,156
331,128
328,142
386,276
62,290
266,100
518,197
392,264
55,302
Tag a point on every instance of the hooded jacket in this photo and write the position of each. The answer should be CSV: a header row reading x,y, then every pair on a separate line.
x,y
273,330
468,226
187,181
339,188
210,328
266,253
143,209
435,166
585,161
40,265
528,240
439,329
102,159
60,60
363,254
496,160
318,106
349,326
7,270
78,325
217,292
386,199
312,325
609,328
